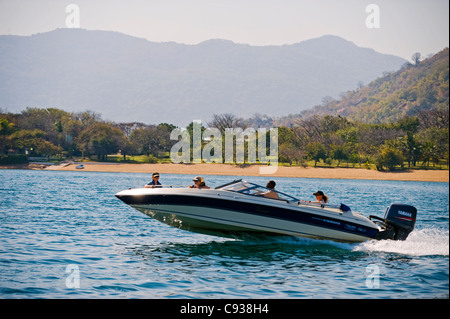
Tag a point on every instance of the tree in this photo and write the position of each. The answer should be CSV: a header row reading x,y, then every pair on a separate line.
x,y
409,124
152,139
33,141
416,58
308,130
389,157
43,147
316,151
290,148
226,120
164,130
331,124
435,117
128,128
412,148
288,152
100,139
340,153
6,128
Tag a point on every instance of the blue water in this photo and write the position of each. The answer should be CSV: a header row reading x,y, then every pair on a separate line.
x,y
65,235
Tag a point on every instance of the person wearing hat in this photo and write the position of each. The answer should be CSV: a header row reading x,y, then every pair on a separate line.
x,y
321,198
199,182
154,182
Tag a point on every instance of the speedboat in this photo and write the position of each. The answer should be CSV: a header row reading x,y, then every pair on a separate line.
x,y
241,208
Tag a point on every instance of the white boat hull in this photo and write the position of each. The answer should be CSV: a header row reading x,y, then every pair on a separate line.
x,y
225,214
235,224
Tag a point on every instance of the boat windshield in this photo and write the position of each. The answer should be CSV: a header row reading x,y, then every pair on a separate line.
x,y
244,187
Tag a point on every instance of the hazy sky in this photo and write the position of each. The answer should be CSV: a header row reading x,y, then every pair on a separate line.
x,y
405,26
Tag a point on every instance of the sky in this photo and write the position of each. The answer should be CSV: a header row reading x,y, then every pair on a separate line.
x,y
398,27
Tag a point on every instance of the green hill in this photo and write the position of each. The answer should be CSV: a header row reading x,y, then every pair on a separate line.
x,y
412,89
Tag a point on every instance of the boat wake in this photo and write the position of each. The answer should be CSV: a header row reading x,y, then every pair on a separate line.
x,y
425,242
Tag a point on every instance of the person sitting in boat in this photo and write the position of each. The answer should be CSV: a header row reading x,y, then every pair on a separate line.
x,y
199,182
271,193
321,198
154,183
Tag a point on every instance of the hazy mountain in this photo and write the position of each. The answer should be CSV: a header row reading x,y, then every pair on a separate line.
x,y
131,79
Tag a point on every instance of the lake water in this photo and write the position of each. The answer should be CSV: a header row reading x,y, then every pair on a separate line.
x,y
65,235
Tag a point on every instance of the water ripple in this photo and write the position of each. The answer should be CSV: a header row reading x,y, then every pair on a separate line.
x,y
71,220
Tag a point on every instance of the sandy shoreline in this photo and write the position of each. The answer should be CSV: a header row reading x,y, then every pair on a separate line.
x,y
252,170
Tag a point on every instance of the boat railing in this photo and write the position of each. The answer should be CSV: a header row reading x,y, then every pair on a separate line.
x,y
342,207
228,184
252,189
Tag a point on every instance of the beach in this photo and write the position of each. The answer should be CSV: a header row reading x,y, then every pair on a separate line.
x,y
251,170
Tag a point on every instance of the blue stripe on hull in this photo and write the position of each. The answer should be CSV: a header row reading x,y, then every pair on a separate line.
x,y
221,227
253,209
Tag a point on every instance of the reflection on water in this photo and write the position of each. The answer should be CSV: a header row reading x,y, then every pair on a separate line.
x,y
260,248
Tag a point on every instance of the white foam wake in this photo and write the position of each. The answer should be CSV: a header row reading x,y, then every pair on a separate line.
x,y
425,242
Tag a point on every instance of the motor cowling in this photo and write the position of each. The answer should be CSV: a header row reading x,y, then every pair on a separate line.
x,y
401,218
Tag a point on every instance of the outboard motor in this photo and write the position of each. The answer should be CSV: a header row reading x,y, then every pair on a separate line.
x,y
398,222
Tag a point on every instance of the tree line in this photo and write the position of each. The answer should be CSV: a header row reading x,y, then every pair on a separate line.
x,y
412,140
330,140
52,132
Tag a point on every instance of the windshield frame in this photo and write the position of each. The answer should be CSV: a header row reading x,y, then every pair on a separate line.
x,y
252,189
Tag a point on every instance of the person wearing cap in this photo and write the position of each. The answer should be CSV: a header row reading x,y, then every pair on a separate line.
x,y
199,182
154,182
321,198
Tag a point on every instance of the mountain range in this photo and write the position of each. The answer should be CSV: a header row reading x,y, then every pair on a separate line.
x,y
128,79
